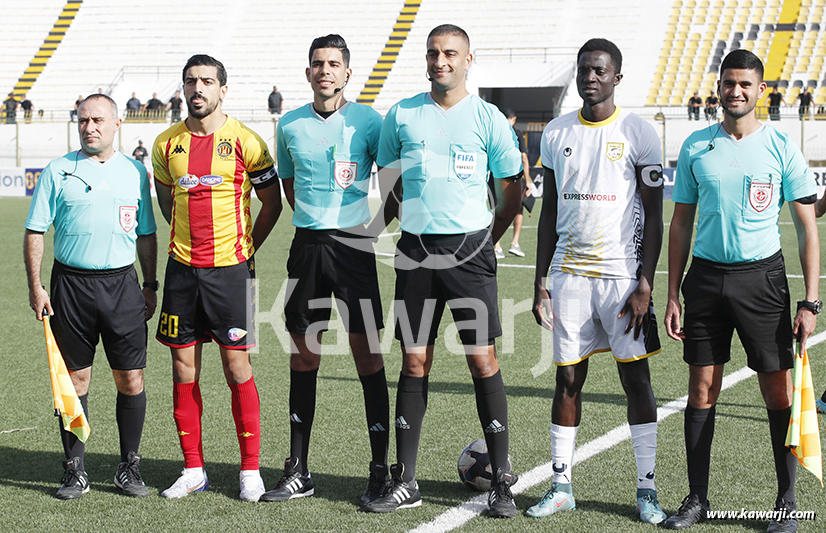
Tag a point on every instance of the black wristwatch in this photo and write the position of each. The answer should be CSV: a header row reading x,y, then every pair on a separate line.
x,y
155,285
814,307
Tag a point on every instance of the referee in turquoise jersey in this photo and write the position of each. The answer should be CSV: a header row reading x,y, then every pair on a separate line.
x,y
443,143
735,177
98,201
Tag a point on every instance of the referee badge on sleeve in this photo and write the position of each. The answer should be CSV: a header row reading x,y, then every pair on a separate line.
x,y
128,215
760,196
345,173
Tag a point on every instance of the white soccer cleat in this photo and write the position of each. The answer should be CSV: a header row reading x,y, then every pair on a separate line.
x,y
191,480
252,486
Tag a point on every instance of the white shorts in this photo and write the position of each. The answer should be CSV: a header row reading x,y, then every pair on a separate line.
x,y
585,320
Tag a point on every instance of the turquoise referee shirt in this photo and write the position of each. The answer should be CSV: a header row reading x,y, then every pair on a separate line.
x,y
739,187
445,156
98,209
330,161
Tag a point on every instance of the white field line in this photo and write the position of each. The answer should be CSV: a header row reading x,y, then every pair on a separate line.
x,y
460,515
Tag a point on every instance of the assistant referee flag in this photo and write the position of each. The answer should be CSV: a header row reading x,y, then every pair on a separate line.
x,y
66,403
804,436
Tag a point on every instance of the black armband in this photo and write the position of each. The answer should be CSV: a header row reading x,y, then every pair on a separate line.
x,y
807,200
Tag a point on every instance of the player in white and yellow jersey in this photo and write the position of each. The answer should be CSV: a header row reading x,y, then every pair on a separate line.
x,y
602,221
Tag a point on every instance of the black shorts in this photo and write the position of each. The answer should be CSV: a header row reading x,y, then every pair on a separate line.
x,y
321,263
752,298
93,304
432,270
208,303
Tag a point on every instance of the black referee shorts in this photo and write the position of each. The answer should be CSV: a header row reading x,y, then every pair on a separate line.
x,y
337,262
752,298
99,304
457,270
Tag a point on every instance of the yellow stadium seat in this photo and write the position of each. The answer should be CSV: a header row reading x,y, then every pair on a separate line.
x,y
651,101
746,4
704,3
690,3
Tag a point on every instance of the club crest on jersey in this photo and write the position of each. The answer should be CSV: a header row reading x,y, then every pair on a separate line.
x,y
760,196
464,163
345,173
567,151
188,181
128,215
614,151
211,180
224,149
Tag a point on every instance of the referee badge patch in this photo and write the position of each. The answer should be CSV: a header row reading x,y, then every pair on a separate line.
x,y
464,164
614,151
760,196
345,173
128,215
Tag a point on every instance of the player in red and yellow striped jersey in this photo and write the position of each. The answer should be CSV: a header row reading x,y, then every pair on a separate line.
x,y
205,169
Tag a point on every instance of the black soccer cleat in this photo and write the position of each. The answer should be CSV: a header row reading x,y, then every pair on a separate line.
x,y
128,477
783,523
75,482
691,512
293,484
500,498
377,484
399,495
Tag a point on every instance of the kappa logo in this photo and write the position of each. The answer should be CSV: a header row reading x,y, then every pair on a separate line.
x,y
401,423
178,150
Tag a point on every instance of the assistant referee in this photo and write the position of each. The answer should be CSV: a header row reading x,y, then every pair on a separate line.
x,y
98,201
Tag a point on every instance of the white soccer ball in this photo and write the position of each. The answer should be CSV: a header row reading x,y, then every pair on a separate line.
x,y
474,466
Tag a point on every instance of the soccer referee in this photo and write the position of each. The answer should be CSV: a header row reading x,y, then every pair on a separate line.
x,y
736,175
443,143
98,200
326,151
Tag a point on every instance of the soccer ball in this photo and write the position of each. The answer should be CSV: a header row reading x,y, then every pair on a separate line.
x,y
474,466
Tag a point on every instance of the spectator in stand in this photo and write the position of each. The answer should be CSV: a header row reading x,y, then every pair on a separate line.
x,y
175,105
139,153
775,99
27,106
133,106
274,101
153,106
73,112
712,103
805,98
694,104
10,107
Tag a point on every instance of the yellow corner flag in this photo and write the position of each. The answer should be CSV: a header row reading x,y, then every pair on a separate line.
x,y
66,402
804,436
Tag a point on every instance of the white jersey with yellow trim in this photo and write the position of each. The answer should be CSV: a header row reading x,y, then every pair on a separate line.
x,y
599,169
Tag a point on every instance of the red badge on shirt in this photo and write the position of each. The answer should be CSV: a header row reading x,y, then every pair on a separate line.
x,y
128,214
345,173
760,196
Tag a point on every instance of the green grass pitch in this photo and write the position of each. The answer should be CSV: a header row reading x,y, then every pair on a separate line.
x,y
30,452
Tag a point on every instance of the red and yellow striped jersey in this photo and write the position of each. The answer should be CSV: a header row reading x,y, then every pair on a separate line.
x,y
211,178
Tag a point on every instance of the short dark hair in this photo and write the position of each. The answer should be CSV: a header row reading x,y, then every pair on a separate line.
x,y
331,41
603,45
509,113
449,29
742,59
101,96
203,60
